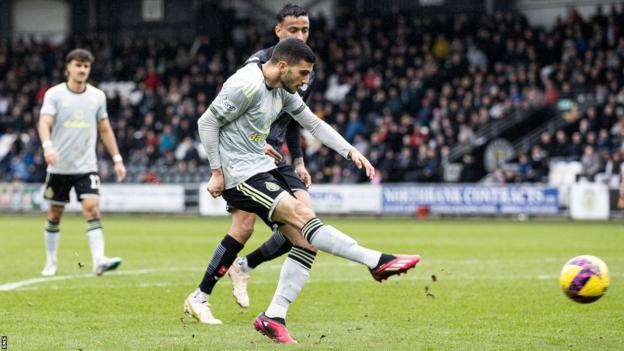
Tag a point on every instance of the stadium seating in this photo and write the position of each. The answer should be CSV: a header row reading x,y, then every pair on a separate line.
x,y
415,94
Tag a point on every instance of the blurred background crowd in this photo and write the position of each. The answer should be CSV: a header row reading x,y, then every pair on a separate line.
x,y
405,90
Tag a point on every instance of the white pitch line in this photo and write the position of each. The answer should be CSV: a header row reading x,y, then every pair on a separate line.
x,y
32,281
22,283
458,275
19,284
359,279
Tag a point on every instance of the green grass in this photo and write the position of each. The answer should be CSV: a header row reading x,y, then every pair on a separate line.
x,y
496,288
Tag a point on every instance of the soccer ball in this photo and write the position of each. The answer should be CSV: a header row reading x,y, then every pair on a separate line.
x,y
584,279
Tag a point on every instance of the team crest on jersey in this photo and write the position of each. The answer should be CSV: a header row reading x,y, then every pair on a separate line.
x,y
227,104
272,186
49,193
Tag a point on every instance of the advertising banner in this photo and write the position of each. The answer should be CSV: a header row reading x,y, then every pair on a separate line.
x,y
326,199
24,197
137,198
470,199
20,197
346,199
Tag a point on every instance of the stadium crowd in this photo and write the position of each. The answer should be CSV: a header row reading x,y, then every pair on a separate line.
x,y
404,90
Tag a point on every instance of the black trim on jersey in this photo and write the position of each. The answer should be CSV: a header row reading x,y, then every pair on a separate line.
x,y
299,110
269,88
74,92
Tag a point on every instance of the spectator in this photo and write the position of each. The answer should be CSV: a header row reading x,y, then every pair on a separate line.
x,y
590,162
439,90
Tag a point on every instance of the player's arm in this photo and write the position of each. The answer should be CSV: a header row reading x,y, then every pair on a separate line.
x,y
108,139
293,140
208,129
44,126
331,138
46,121
228,106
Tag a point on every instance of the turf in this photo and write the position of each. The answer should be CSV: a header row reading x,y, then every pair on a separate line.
x,y
482,285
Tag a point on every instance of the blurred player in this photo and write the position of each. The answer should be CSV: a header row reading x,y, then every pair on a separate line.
x,y
292,22
71,116
233,131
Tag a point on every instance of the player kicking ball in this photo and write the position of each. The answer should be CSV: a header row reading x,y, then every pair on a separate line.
x,y
292,21
233,131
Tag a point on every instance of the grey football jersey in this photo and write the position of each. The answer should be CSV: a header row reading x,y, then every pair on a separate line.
x,y
245,109
74,131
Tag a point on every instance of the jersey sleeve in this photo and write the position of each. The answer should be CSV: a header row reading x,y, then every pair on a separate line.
x,y
293,104
49,104
233,100
101,111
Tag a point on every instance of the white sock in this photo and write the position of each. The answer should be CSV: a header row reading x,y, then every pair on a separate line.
x,y
200,296
96,241
242,265
51,237
293,276
329,239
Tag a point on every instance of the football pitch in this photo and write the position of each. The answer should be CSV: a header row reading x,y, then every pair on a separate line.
x,y
481,285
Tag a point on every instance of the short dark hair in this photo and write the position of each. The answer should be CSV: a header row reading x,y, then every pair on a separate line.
x,y
80,55
292,51
290,10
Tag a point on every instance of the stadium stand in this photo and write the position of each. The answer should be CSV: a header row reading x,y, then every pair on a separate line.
x,y
416,103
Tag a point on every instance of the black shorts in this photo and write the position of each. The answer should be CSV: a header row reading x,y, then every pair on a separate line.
x,y
292,178
57,187
259,194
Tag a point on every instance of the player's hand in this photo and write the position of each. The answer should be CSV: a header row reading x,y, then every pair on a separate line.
x,y
621,202
50,155
303,173
269,150
120,171
361,161
216,184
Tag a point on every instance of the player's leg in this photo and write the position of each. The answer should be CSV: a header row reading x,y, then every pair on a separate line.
x,y
294,275
51,237
261,194
57,194
324,237
197,303
329,239
275,246
295,269
87,189
236,272
286,209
